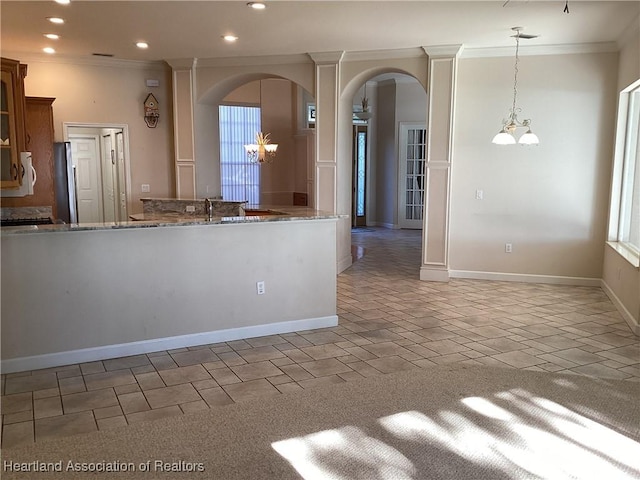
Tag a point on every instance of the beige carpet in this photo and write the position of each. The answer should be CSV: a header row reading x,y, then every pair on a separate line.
x,y
446,422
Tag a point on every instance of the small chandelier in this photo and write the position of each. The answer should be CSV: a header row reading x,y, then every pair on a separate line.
x,y
506,135
365,113
263,150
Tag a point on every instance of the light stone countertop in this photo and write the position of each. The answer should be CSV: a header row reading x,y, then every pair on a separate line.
x,y
141,220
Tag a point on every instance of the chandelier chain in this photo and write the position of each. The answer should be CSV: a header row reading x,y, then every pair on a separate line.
x,y
515,74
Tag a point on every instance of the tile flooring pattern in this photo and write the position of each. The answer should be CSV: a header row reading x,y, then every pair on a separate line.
x,y
389,321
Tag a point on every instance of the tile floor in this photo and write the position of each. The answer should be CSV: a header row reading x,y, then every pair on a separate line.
x,y
389,321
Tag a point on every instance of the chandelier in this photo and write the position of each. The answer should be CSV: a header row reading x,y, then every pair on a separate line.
x,y
506,136
365,113
263,150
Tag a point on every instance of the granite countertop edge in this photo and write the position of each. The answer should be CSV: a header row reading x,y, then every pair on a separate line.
x,y
142,220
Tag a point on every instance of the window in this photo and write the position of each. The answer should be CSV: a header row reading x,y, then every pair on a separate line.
x,y
239,178
624,226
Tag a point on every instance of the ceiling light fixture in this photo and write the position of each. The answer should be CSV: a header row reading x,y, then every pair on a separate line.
x,y
142,45
52,36
256,5
48,50
56,20
63,2
263,151
506,135
229,38
365,113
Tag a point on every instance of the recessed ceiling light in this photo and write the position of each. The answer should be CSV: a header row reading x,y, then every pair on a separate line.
x,y
142,45
257,5
230,38
55,20
63,2
48,50
52,36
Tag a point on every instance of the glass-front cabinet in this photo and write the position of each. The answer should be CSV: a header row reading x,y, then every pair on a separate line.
x,y
12,131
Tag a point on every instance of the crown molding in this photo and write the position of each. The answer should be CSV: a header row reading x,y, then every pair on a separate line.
x,y
94,61
383,54
252,61
604,47
182,63
444,51
326,58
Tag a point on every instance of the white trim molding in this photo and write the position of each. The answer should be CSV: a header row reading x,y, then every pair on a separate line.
x,y
626,314
71,357
602,47
526,278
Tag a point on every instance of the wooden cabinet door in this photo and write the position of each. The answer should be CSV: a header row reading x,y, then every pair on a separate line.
x,y
39,141
12,138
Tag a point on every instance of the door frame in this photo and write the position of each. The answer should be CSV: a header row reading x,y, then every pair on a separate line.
x,y
125,132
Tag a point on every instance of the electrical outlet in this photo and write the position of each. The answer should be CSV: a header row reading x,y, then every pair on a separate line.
x,y
508,248
190,208
145,188
260,287
479,194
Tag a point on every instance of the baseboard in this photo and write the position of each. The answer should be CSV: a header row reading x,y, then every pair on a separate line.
x,y
71,357
345,263
391,226
526,278
428,274
626,314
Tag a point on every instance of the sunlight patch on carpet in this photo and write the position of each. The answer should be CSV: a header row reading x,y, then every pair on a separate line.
x,y
516,430
344,454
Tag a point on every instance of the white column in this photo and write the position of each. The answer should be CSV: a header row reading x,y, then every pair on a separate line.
x,y
327,172
183,127
327,91
441,89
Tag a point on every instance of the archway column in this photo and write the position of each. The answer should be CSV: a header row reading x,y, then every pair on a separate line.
x,y
327,177
183,73
441,92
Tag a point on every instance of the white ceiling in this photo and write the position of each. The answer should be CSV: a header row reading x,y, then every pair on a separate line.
x,y
186,28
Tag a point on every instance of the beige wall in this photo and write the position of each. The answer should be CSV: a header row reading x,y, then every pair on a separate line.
x,y
548,201
123,292
113,92
386,160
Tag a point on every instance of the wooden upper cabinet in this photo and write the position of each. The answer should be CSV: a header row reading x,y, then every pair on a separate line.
x,y
12,123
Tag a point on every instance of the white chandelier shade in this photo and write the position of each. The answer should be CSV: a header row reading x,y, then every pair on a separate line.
x,y
263,151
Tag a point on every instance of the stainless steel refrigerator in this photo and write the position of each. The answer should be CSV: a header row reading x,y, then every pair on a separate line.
x,y
64,175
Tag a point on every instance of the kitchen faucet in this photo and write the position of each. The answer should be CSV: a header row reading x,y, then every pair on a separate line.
x,y
208,208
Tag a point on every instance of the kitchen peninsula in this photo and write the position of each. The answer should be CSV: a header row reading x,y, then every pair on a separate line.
x,y
84,292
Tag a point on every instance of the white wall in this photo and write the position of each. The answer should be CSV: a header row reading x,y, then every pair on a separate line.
x,y
621,278
113,92
549,201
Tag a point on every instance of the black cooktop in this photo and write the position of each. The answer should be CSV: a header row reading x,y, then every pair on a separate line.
x,y
15,222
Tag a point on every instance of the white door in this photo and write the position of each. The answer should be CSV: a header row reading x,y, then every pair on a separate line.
x,y
109,196
412,158
86,160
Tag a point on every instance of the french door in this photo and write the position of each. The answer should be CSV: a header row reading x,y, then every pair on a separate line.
x,y
412,158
